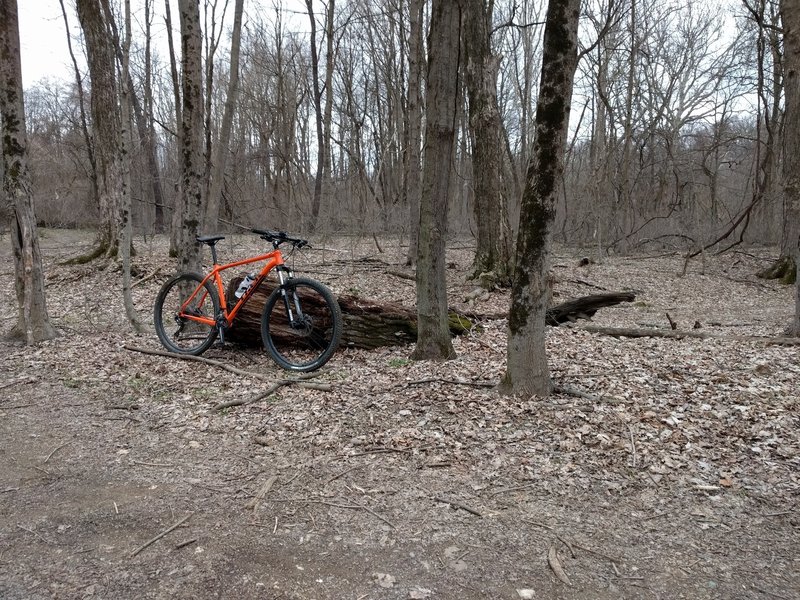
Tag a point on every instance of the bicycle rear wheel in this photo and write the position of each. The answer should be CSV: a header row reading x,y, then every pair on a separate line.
x,y
301,325
176,328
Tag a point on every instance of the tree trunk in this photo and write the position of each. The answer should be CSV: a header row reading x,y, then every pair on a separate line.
x,y
442,98
323,117
790,14
218,175
126,150
97,32
527,372
33,324
414,127
192,164
175,232
493,254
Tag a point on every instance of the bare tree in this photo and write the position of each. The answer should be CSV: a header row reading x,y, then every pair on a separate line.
x,y
126,153
221,154
33,324
790,14
191,136
100,53
433,335
527,371
323,114
414,127
493,254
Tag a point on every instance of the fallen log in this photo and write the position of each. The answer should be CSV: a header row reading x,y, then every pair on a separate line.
x,y
370,324
366,323
585,306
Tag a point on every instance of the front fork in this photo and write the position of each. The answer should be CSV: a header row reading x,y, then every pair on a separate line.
x,y
293,310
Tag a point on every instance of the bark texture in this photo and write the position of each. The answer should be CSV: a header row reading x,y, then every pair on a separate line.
x,y
527,372
790,15
433,341
100,53
33,324
191,134
493,254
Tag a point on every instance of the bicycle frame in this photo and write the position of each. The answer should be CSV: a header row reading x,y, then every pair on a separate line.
x,y
273,260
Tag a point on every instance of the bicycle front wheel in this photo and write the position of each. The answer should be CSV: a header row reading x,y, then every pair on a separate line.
x,y
301,325
183,321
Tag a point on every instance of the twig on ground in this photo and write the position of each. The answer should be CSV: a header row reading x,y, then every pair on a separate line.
x,y
299,381
160,535
149,464
39,535
480,384
186,543
455,504
56,449
261,494
555,565
17,382
402,274
146,278
378,450
633,446
341,474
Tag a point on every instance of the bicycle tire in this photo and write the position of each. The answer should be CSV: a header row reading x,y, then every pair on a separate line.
x,y
180,335
308,345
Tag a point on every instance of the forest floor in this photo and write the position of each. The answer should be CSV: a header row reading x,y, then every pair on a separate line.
x,y
676,473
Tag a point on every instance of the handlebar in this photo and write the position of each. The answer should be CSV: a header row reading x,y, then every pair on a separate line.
x,y
280,237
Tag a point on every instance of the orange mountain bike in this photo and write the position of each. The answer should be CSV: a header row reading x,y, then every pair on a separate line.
x,y
301,323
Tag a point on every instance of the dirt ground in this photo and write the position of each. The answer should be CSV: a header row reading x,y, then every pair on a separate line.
x,y
661,469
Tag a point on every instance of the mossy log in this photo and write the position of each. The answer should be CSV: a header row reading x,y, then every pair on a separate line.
x,y
367,323
370,324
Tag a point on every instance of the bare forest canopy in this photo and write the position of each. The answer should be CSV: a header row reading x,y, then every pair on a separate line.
x,y
675,135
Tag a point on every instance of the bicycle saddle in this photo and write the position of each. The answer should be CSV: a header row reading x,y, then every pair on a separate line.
x,y
209,239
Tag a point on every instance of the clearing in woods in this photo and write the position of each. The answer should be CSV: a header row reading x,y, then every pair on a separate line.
x,y
662,469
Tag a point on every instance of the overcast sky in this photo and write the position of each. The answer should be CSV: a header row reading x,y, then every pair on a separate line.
x,y
43,41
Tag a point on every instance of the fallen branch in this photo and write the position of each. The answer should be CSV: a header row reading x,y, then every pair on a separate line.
x,y
455,504
478,384
199,359
160,535
679,335
299,381
146,278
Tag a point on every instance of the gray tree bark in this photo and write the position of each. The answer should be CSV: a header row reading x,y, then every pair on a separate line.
x,y
126,151
527,371
790,14
433,338
493,254
98,36
191,133
33,324
414,129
